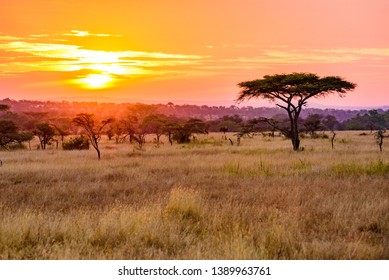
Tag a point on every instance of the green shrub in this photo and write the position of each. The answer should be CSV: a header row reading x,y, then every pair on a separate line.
x,y
78,143
378,168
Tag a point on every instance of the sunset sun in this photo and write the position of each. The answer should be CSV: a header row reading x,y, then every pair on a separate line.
x,y
63,49
96,81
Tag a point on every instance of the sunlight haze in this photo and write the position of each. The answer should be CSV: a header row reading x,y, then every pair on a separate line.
x,y
188,51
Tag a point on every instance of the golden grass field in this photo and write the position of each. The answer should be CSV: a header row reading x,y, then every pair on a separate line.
x,y
205,200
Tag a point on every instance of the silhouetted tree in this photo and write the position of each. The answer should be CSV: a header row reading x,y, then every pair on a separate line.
x,y
24,136
155,124
110,131
170,127
133,123
329,122
313,123
62,131
376,120
184,130
291,92
8,132
379,136
93,128
45,133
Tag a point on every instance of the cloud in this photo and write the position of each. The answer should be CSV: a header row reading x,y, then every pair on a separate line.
x,y
43,52
360,51
39,35
22,56
284,56
4,37
82,33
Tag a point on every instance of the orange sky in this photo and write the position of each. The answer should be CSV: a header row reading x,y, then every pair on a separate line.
x,y
188,51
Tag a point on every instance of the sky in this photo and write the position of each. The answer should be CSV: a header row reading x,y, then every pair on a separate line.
x,y
193,52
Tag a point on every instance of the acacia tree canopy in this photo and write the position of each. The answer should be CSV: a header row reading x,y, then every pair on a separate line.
x,y
291,92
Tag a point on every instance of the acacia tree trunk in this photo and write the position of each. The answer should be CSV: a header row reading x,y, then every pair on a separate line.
x,y
294,132
333,139
95,143
98,153
295,140
170,135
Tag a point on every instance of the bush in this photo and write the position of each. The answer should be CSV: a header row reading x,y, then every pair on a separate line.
x,y
78,143
16,146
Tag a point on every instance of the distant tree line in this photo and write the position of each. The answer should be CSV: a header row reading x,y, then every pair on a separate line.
x,y
84,129
70,109
372,120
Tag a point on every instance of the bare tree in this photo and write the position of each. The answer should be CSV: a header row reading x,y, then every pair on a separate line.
x,y
333,138
330,122
379,135
92,128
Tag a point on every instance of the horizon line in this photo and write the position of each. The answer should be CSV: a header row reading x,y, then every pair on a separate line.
x,y
199,103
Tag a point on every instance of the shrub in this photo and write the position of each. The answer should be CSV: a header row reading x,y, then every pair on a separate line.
x,y
78,143
16,146
378,168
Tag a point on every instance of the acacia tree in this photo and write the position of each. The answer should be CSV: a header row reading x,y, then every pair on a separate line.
x,y
184,130
154,123
312,124
93,129
45,133
8,132
291,93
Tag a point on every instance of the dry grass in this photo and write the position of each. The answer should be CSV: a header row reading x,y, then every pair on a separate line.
x,y
206,200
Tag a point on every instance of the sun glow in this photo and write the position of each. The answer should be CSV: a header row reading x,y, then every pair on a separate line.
x,y
96,81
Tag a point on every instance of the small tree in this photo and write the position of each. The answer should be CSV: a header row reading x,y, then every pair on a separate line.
x,y
312,124
155,124
330,122
184,131
92,128
8,132
291,93
133,123
24,136
45,133
379,136
62,128
170,127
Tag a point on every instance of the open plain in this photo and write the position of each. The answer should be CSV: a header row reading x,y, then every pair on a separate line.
x,y
203,200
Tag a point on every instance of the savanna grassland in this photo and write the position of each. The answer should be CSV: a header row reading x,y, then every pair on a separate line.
x,y
204,200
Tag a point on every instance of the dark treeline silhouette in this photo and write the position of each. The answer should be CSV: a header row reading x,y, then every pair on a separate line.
x,y
70,109
371,120
56,123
